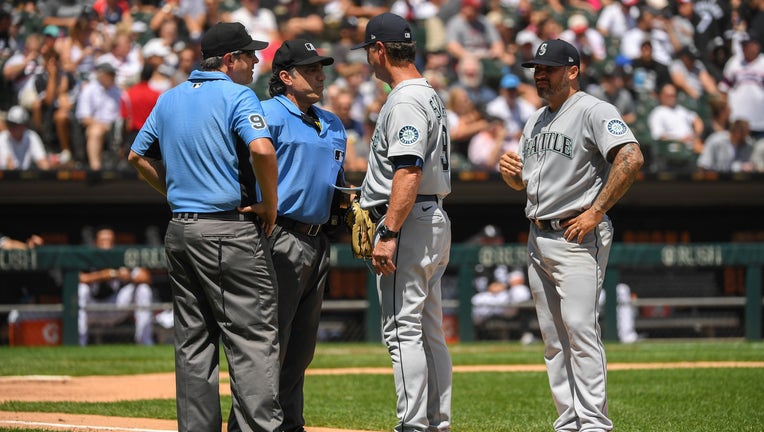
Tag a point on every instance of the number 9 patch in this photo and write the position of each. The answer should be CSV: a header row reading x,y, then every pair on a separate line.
x,y
408,135
257,121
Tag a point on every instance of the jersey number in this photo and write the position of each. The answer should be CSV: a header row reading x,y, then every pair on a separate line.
x,y
257,121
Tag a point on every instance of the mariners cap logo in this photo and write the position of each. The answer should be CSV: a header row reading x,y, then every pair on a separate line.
x,y
555,52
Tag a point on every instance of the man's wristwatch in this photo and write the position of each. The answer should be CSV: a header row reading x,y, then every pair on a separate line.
x,y
386,233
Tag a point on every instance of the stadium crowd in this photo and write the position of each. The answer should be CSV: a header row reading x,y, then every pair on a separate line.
x,y
81,76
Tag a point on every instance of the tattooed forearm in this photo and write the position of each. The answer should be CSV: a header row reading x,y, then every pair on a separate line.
x,y
626,166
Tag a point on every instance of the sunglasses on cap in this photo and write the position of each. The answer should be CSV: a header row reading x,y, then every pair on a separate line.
x,y
250,53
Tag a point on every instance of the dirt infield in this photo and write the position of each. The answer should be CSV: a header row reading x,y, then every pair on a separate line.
x,y
162,386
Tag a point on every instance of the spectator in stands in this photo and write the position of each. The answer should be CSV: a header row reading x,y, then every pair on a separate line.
x,y
626,313
720,116
469,32
20,69
611,89
744,84
303,19
464,122
121,287
261,24
191,15
718,55
125,58
53,110
113,12
187,61
61,13
712,19
470,76
512,108
141,12
82,45
681,23
20,147
670,121
616,18
168,35
7,243
154,53
135,106
690,76
498,302
648,75
98,112
485,148
728,150
650,26
582,36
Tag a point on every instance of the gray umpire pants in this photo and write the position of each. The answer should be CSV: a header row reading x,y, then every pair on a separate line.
x,y
302,268
224,288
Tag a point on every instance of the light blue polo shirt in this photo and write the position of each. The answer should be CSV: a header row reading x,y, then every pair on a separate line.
x,y
309,160
203,128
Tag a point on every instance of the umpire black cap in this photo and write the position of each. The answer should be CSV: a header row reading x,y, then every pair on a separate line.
x,y
555,52
225,37
298,52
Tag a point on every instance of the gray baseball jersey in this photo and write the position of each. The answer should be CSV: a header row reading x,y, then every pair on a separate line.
x,y
413,122
564,165
406,126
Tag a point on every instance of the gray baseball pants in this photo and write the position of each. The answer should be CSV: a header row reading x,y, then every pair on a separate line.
x,y
566,279
302,268
224,289
412,320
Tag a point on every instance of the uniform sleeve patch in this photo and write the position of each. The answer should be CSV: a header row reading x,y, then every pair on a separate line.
x,y
257,121
408,135
617,127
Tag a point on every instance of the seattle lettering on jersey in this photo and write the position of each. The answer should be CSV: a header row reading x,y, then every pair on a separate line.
x,y
548,141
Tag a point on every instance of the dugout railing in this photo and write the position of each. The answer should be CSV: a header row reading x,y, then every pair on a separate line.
x,y
464,258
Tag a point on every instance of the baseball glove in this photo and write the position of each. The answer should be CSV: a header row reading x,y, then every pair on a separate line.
x,y
361,230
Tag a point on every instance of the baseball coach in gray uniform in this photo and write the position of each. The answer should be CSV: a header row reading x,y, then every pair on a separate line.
x,y
578,159
407,178
206,146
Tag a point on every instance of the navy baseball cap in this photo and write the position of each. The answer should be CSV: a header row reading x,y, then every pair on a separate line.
x,y
386,27
298,52
555,52
225,37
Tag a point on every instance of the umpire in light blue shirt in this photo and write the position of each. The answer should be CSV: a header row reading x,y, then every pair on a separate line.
x,y
206,146
310,148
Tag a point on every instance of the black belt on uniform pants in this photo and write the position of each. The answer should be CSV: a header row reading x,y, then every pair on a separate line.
x,y
300,227
230,215
551,224
377,212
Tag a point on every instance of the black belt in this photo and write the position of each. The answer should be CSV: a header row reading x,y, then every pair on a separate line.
x,y
293,225
230,215
551,224
376,213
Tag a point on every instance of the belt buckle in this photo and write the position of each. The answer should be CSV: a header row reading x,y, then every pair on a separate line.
x,y
555,224
313,230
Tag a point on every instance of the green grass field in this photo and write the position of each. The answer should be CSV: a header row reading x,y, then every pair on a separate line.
x,y
643,400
